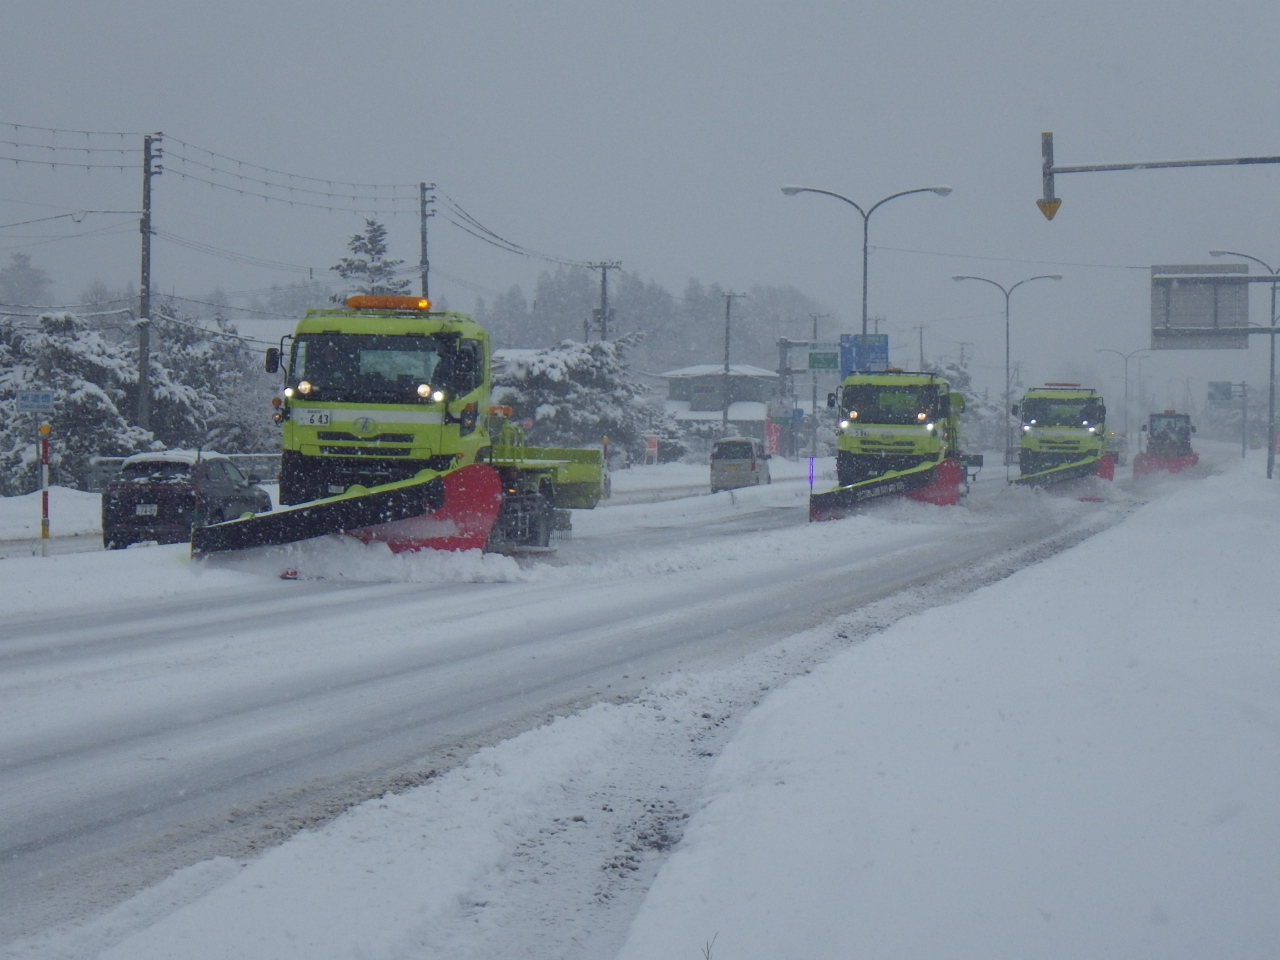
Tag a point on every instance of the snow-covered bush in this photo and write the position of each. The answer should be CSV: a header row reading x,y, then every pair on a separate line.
x,y
576,394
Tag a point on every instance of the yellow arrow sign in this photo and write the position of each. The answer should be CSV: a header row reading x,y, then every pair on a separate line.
x,y
1048,207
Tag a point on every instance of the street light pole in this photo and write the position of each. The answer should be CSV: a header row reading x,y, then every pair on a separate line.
x,y
1008,378
1127,405
1271,380
866,225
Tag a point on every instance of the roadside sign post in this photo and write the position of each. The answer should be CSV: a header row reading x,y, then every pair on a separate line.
x,y
44,489
41,401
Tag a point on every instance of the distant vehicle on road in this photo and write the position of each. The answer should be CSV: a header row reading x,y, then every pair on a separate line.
x,y
164,496
738,462
1168,444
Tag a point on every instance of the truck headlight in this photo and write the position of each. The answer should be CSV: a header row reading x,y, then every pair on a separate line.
x,y
424,390
929,427
438,396
844,424
1093,429
1026,428
304,387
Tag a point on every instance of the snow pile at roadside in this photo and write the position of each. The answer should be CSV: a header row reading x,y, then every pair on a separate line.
x,y
72,513
1080,761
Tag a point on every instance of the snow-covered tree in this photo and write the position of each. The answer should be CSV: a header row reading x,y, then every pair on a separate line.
x,y
577,394
368,271
982,425
92,381
208,386
23,283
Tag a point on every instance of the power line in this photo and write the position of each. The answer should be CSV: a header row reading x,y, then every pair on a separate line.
x,y
58,130
17,161
101,231
250,259
1051,263
77,216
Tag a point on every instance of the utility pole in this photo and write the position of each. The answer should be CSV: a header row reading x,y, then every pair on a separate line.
x,y
1244,420
426,197
603,314
919,328
728,309
150,154
813,375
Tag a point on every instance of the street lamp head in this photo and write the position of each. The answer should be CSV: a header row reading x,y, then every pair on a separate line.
x,y
792,191
958,277
1217,253
941,191
1053,276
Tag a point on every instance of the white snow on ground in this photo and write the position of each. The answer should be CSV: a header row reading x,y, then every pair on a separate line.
x,y
71,513
1080,760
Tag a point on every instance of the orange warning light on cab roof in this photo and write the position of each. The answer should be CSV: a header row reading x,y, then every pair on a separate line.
x,y
388,303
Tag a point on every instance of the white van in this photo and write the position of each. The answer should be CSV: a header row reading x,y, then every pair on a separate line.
x,y
738,462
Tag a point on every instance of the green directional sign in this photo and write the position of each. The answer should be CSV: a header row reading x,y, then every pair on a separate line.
x,y
824,356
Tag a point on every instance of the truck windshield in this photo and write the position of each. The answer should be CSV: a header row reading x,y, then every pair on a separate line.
x,y
1044,412
866,403
1171,426
369,368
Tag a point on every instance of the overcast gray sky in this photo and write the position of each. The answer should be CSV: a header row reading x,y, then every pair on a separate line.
x,y
659,134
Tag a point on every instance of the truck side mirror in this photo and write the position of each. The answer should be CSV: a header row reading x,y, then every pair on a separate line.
x,y
1014,410
273,360
944,407
1193,429
1102,413
1143,428
831,400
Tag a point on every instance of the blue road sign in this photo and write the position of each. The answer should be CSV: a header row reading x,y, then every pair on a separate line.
x,y
869,353
35,401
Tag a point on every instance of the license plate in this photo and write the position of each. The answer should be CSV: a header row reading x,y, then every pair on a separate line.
x,y
144,510
859,433
312,418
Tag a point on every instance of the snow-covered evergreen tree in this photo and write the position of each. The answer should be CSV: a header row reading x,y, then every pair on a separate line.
x,y
22,283
369,271
577,394
92,381
982,425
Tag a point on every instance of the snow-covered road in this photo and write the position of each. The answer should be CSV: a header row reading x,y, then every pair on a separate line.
x,y
156,713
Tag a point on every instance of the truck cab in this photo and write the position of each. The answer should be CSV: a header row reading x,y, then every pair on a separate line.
x,y
894,421
1061,423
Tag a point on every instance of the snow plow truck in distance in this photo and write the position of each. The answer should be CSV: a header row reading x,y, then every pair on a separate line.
x,y
1168,444
389,436
898,433
1063,435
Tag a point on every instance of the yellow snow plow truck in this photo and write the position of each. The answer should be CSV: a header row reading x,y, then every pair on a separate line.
x,y
1064,435
389,436
899,433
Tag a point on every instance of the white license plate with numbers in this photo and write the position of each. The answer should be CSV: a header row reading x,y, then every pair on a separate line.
x,y
859,433
312,418
144,510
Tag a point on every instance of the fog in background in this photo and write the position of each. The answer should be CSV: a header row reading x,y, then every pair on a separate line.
x,y
659,134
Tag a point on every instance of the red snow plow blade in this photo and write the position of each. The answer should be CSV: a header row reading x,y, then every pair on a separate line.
x,y
450,511
1145,463
472,498
938,483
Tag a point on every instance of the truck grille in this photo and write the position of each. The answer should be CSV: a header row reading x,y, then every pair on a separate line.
x,y
352,438
365,451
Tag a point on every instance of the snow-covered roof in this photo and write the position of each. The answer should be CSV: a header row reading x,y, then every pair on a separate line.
x,y
707,369
172,456
743,411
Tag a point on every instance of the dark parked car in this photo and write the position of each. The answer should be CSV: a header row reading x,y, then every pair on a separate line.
x,y
162,496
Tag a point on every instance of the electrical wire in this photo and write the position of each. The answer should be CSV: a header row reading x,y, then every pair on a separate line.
x,y
101,231
77,216
213,251
1047,263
